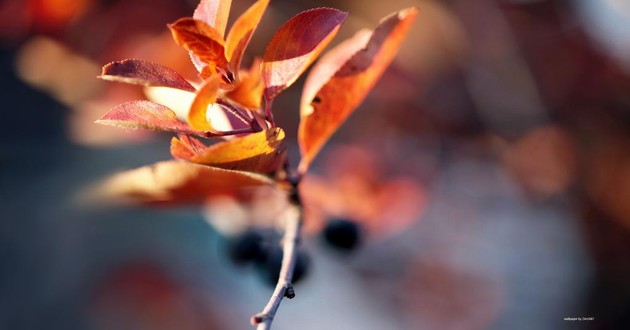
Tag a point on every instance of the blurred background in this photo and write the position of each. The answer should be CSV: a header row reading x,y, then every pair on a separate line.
x,y
489,172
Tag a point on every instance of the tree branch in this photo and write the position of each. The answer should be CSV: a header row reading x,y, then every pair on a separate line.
x,y
290,241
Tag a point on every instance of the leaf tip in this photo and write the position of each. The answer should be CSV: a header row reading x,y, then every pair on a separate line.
x,y
407,12
337,16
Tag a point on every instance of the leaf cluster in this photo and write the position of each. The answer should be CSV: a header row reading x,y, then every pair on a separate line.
x,y
251,153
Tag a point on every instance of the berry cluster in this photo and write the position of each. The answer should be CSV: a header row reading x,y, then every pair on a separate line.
x,y
262,248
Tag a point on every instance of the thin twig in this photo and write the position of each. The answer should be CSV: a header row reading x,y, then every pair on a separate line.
x,y
290,241
226,133
236,111
259,122
268,113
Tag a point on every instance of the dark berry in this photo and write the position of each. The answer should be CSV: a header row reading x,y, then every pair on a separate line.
x,y
246,247
342,234
269,267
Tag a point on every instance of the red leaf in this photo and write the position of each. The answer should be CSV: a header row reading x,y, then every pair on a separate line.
x,y
214,13
241,32
257,152
295,46
147,115
202,41
174,182
140,72
326,103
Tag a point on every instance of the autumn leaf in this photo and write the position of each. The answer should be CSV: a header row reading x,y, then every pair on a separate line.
x,y
140,72
330,63
174,182
202,41
187,148
147,115
249,91
205,96
241,32
341,81
215,13
257,152
295,46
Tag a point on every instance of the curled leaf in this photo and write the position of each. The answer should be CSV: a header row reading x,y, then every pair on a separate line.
x,y
140,72
326,103
249,90
172,182
256,152
214,13
205,96
202,41
295,46
147,115
241,32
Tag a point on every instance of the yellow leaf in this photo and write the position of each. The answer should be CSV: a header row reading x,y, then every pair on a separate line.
x,y
205,96
174,182
241,32
249,90
258,152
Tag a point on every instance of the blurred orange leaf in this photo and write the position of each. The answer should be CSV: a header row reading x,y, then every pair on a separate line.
x,y
295,46
140,72
174,182
249,91
147,115
324,111
205,96
356,186
214,13
202,41
241,32
256,152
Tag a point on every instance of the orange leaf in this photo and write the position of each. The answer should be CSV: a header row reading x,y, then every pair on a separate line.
x,y
249,91
205,96
330,63
256,152
140,72
202,41
214,13
187,148
241,32
295,46
145,114
172,182
326,103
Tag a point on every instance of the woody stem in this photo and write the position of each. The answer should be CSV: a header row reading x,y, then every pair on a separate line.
x,y
290,241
